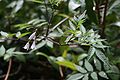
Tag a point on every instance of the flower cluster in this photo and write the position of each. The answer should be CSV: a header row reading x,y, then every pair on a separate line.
x,y
32,37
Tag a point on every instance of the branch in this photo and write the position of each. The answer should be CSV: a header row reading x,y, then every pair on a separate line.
x,y
59,44
13,39
105,11
61,72
104,19
58,24
49,19
8,71
16,72
98,11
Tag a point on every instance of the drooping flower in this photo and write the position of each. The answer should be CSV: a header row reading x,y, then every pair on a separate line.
x,y
33,46
27,46
32,36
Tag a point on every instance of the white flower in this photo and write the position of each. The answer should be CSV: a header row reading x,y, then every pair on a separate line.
x,y
32,36
33,45
26,46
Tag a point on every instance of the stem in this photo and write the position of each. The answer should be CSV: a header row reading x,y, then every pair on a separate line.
x,y
12,74
98,11
15,39
104,18
102,22
49,19
58,24
61,73
59,44
8,71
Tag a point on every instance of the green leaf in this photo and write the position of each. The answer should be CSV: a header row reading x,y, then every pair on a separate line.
x,y
91,52
4,34
82,29
23,34
106,67
37,1
22,26
67,64
78,33
41,24
7,57
55,34
20,57
80,69
60,31
49,43
64,54
19,53
10,51
73,5
88,66
12,4
85,77
99,46
42,54
82,16
38,21
33,20
103,74
9,54
97,64
2,51
68,38
82,56
94,76
18,6
76,76
114,4
51,59
114,73
72,26
102,57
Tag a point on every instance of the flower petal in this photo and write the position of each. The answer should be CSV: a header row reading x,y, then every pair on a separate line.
x,y
27,46
32,36
33,45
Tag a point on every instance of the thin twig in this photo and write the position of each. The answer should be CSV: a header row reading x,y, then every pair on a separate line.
x,y
58,24
14,39
16,72
98,11
61,72
104,19
105,11
47,18
59,44
8,71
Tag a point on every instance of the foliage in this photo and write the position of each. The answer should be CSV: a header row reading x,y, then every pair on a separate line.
x,y
79,38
